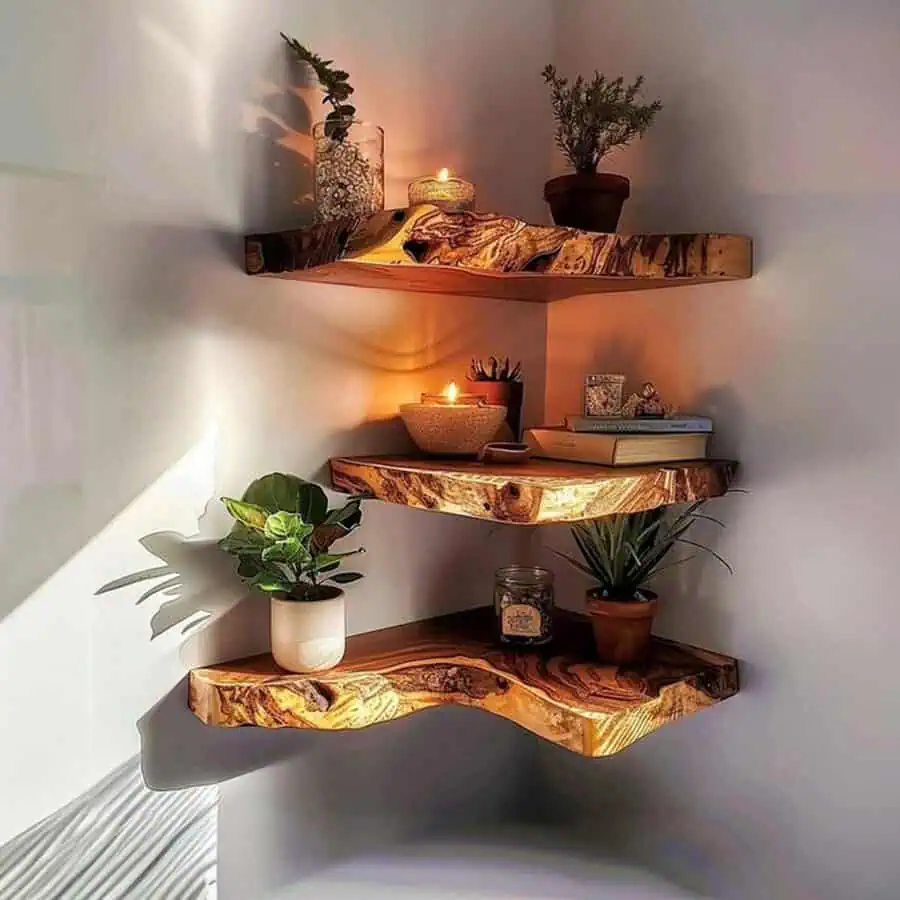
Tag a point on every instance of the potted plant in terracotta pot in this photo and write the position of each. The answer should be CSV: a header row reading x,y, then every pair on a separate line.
x,y
283,536
501,382
592,118
622,553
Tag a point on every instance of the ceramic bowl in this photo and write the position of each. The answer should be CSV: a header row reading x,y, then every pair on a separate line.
x,y
452,430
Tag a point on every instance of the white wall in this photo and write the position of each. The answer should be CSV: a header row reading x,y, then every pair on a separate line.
x,y
782,121
143,374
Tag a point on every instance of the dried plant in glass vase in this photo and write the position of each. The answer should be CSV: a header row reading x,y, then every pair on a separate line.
x,y
349,154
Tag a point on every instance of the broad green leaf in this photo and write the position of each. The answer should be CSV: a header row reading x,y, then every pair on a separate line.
x,y
278,492
346,577
248,568
313,503
287,551
272,585
242,539
286,524
249,514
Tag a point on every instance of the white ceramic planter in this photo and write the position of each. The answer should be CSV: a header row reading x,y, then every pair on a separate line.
x,y
308,635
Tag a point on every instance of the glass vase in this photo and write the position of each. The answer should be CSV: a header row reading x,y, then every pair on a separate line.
x,y
349,169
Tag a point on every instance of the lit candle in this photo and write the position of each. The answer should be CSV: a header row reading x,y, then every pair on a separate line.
x,y
444,190
451,396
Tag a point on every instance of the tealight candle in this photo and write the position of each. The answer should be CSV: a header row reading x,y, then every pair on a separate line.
x,y
444,190
451,396
452,424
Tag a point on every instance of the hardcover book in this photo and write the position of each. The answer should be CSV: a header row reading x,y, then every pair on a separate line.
x,y
615,449
617,425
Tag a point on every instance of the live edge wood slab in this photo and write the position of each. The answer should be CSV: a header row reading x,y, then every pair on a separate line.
x,y
486,255
557,693
537,492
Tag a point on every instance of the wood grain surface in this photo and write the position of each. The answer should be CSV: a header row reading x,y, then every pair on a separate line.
x,y
533,493
555,692
482,254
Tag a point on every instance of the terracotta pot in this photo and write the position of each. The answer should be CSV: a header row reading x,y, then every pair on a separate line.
x,y
621,627
590,201
309,635
506,393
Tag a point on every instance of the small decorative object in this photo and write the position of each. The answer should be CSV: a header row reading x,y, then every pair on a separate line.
x,y
523,601
622,553
444,190
647,404
447,427
502,383
592,118
349,154
504,453
282,537
603,395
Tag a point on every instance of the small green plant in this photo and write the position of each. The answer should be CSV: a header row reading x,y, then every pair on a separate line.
x,y
623,552
283,534
594,117
496,369
336,85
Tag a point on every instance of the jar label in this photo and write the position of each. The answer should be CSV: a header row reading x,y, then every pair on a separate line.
x,y
521,620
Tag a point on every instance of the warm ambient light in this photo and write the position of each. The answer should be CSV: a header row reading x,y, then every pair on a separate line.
x,y
443,175
451,392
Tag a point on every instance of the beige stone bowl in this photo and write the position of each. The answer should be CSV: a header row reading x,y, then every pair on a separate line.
x,y
452,430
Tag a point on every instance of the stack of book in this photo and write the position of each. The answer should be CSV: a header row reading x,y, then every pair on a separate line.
x,y
622,442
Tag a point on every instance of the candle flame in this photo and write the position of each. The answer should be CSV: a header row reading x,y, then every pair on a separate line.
x,y
443,175
451,392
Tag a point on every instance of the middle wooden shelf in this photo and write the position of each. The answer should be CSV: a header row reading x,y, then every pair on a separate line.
x,y
538,492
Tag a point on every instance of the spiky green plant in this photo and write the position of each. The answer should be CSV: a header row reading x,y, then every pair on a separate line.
x,y
594,117
624,552
495,369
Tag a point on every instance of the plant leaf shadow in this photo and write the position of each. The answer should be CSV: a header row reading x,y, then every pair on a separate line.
x,y
201,595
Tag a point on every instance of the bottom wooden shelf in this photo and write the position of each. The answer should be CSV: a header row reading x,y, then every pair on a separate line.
x,y
556,692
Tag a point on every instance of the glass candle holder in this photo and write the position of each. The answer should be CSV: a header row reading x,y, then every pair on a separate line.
x,y
443,190
458,399
349,169
523,601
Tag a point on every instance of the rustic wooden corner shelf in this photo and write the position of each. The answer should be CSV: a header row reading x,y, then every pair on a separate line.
x,y
537,492
485,255
557,693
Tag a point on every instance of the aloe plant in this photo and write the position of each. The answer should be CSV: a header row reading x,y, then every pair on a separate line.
x,y
283,534
622,553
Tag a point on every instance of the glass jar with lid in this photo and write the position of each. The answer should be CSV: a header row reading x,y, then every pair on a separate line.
x,y
523,602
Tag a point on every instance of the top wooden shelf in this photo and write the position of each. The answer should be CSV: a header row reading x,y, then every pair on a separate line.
x,y
487,255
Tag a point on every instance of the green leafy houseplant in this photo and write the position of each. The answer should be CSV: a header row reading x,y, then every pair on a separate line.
x,y
595,116
335,84
622,553
495,369
283,535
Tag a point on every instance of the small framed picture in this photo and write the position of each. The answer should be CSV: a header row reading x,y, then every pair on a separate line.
x,y
603,395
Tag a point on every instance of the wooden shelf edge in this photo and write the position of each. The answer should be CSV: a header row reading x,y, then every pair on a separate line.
x,y
538,492
482,254
558,694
